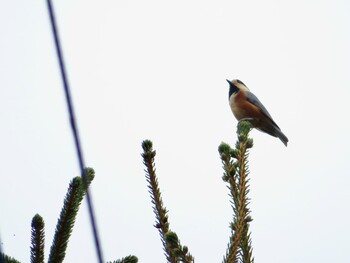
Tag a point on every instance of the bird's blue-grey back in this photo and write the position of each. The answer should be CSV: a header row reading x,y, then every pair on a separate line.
x,y
254,100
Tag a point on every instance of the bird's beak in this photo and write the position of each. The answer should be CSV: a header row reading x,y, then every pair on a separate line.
x,y
229,82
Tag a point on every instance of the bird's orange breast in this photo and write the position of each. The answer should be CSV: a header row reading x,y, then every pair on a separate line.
x,y
242,108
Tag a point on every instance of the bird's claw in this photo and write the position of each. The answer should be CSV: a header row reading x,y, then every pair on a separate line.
x,y
246,119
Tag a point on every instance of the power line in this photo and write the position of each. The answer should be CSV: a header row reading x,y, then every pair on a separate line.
x,y
74,130
1,254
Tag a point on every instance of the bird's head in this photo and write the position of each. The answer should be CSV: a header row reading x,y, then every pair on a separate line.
x,y
235,86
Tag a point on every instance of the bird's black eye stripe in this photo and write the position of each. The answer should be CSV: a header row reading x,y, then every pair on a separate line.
x,y
233,90
240,82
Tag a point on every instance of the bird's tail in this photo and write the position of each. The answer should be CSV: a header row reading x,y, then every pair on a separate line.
x,y
281,136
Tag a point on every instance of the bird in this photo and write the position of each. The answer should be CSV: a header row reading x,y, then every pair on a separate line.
x,y
246,106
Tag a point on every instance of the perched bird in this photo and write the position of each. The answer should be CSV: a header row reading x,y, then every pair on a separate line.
x,y
246,106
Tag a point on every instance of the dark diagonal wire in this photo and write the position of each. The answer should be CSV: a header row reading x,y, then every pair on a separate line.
x,y
74,130
1,258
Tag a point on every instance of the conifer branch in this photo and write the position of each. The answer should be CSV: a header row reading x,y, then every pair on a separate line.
x,y
159,210
180,252
242,146
173,250
37,240
68,214
235,173
128,259
6,259
230,177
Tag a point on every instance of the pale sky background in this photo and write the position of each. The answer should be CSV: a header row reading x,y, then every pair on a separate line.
x,y
156,70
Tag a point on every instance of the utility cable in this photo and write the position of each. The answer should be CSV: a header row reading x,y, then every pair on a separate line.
x,y
74,130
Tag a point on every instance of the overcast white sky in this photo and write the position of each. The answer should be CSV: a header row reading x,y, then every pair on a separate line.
x,y
156,70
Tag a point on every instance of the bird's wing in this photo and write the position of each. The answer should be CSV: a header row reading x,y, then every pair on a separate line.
x,y
254,100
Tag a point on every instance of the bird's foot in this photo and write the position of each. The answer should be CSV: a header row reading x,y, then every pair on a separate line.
x,y
246,119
